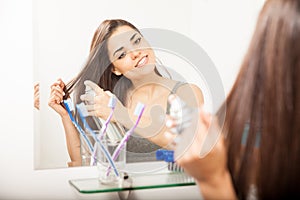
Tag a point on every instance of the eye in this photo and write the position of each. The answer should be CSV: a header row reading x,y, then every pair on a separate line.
x,y
138,40
122,55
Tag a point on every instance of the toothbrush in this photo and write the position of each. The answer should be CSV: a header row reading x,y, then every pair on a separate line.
x,y
83,113
168,156
70,107
139,109
111,104
103,125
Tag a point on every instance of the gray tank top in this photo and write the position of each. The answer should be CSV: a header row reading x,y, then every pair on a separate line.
x,y
140,149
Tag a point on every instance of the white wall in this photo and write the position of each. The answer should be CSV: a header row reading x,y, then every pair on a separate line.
x,y
225,32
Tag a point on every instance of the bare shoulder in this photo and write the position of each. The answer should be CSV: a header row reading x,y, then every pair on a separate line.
x,y
191,94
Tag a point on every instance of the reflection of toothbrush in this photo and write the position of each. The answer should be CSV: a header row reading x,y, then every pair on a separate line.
x,y
168,156
83,113
114,129
70,107
112,104
139,109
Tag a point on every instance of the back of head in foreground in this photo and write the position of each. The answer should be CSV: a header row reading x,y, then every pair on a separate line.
x,y
266,99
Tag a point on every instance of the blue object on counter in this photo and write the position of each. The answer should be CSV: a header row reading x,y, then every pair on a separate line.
x,y
166,155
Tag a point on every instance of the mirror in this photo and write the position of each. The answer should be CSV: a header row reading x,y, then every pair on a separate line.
x,y
63,31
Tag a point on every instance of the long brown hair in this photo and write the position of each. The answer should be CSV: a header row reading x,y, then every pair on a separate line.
x,y
98,67
266,96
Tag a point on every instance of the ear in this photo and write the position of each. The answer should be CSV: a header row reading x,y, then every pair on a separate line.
x,y
116,72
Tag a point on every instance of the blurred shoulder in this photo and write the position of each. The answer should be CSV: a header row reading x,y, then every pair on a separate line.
x,y
191,94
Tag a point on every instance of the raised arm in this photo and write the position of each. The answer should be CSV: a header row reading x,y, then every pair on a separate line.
x,y
152,125
72,137
37,96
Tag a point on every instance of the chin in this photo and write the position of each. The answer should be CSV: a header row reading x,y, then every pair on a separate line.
x,y
147,69
141,71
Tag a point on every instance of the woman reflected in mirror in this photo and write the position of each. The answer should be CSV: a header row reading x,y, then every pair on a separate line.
x,y
121,62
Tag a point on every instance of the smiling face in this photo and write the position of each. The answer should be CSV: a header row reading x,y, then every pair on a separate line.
x,y
129,51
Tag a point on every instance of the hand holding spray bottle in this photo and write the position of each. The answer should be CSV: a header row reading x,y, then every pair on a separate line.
x,y
113,129
181,118
113,136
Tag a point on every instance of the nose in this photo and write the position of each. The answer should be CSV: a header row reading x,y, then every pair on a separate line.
x,y
135,53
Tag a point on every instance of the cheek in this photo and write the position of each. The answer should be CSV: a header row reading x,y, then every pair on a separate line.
x,y
151,57
152,60
123,65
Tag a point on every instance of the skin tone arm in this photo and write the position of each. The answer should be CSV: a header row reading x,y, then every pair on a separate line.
x,y
72,137
152,125
193,97
37,96
209,170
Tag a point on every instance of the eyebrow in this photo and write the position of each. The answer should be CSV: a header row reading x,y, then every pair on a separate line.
x,y
132,37
119,49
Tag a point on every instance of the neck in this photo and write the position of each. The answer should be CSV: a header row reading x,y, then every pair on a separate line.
x,y
146,80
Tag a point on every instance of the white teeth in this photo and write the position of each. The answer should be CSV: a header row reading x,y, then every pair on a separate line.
x,y
141,62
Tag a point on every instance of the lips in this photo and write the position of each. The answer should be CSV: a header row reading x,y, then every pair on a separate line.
x,y
143,61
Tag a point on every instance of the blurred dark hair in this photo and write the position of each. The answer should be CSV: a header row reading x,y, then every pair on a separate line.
x,y
266,95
